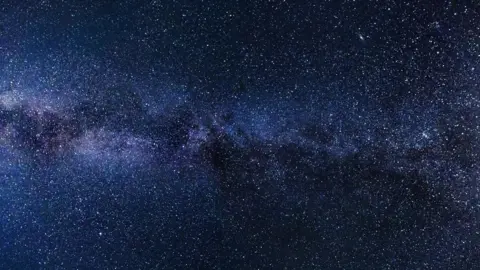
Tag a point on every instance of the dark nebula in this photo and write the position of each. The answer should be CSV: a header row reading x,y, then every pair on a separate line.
x,y
239,135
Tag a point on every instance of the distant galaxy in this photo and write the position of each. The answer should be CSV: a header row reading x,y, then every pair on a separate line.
x,y
239,135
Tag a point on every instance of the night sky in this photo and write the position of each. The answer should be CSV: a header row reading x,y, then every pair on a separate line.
x,y
273,134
